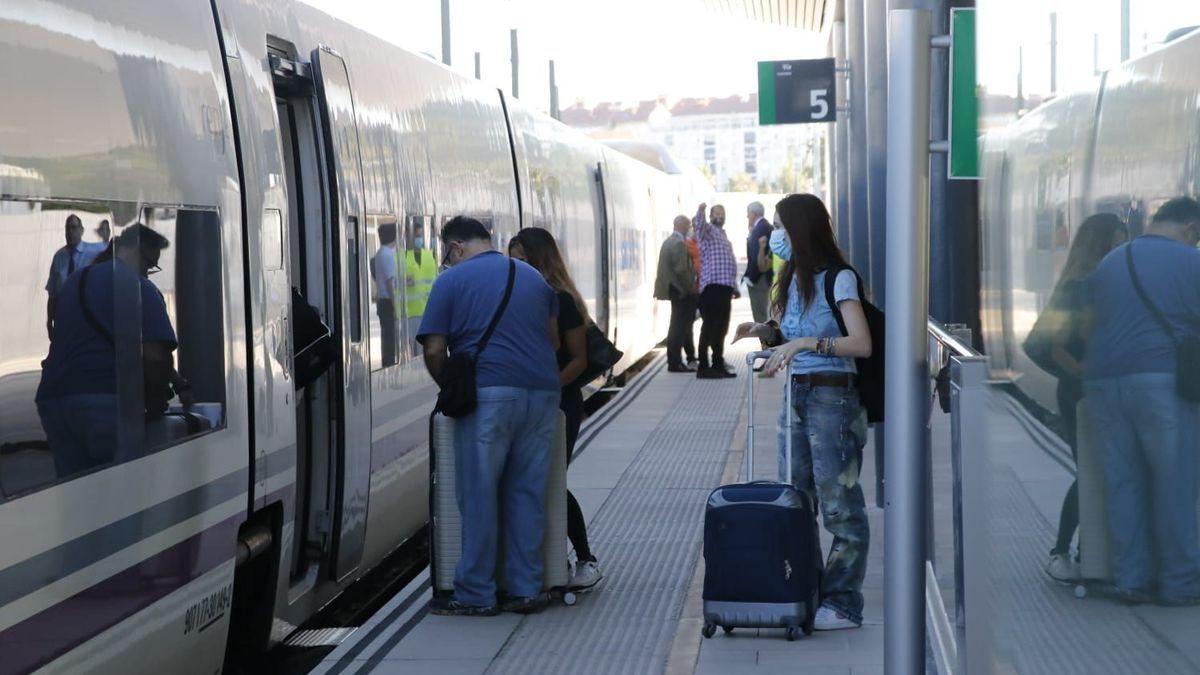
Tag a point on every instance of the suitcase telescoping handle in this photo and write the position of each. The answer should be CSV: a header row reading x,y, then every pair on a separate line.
x,y
751,359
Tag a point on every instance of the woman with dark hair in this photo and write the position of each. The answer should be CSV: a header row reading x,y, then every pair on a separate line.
x,y
828,428
1056,343
538,248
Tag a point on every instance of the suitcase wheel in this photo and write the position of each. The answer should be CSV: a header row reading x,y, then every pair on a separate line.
x,y
728,629
1080,591
569,599
710,629
790,633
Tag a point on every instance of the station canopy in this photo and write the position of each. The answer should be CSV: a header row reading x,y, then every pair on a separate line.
x,y
811,15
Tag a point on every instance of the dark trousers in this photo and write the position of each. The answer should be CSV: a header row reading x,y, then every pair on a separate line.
x,y
1069,395
387,330
572,406
715,303
679,335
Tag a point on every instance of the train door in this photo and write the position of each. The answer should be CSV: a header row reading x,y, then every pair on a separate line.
x,y
603,265
344,170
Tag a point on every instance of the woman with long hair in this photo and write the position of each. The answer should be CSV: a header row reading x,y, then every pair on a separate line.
x,y
1097,236
537,247
829,427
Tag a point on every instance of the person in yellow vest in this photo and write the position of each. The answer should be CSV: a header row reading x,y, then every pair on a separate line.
x,y
420,270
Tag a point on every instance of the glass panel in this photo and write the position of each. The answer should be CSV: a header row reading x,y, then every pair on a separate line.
x,y
89,378
385,291
420,269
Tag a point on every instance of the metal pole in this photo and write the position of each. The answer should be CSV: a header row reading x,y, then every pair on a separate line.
x,y
970,392
516,80
478,69
1124,30
860,233
840,154
553,93
907,346
1053,53
875,38
446,32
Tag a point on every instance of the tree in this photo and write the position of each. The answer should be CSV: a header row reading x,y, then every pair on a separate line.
x,y
743,182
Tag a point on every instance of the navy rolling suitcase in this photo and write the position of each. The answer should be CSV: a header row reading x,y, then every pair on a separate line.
x,y
762,549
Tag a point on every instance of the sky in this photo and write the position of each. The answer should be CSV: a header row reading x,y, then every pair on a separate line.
x,y
614,50
1007,26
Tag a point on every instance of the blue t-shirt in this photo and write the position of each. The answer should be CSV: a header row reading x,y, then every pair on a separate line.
x,y
462,302
817,320
1125,338
82,360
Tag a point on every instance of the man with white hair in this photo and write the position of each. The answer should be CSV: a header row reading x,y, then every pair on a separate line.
x,y
756,245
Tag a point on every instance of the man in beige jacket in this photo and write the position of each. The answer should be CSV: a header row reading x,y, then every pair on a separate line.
x,y
676,281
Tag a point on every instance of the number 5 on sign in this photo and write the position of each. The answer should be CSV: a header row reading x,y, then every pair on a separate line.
x,y
818,98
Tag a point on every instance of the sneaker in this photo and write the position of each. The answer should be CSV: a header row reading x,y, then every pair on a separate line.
x,y
680,368
587,574
1061,568
829,618
709,373
527,605
452,607
692,363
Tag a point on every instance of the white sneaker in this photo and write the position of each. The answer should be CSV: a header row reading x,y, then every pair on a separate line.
x,y
829,618
586,576
1061,568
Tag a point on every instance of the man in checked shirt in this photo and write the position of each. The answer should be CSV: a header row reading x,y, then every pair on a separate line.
x,y
718,288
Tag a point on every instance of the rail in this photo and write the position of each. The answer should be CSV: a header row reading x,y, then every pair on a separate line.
x,y
959,377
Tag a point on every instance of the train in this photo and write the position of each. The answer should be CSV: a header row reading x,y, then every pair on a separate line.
x,y
271,145
1124,146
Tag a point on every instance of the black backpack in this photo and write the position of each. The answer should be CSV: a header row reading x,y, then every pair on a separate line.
x,y
870,369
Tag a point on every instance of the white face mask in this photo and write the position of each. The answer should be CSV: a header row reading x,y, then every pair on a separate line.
x,y
780,245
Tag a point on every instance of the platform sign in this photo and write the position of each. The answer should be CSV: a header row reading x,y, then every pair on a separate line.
x,y
964,99
796,92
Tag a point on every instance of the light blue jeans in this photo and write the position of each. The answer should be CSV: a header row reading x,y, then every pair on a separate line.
x,y
1148,445
828,431
502,461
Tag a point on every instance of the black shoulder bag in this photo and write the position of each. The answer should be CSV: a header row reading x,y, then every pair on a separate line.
x,y
1187,350
871,369
456,385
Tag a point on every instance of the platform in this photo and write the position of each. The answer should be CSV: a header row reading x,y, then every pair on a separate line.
x,y
644,468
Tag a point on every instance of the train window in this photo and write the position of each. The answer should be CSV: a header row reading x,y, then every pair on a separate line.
x,y
420,269
125,357
386,280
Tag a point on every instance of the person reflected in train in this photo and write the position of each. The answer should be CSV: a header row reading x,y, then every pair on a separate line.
x,y
1141,377
77,398
537,247
104,231
420,271
387,285
502,448
718,288
1056,344
828,424
759,277
676,282
73,256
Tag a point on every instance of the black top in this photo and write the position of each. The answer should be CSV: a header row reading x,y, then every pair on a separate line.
x,y
761,229
568,318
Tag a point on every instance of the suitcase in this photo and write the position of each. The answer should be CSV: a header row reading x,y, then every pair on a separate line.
x,y
762,549
445,522
1093,521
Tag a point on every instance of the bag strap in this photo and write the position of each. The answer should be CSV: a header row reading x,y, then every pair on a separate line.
x,y
487,334
831,276
1145,298
87,311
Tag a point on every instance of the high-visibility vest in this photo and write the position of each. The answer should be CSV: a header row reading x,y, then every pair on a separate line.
x,y
777,264
418,281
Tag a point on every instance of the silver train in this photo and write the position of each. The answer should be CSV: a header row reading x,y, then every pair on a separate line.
x,y
269,143
1124,147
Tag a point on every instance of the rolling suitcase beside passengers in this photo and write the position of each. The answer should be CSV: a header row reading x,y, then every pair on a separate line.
x,y
445,521
762,548
1093,521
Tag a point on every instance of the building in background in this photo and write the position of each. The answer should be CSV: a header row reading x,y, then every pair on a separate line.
x,y
720,136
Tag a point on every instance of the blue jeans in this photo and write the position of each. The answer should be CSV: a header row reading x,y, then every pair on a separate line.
x,y
828,431
1147,437
81,430
502,461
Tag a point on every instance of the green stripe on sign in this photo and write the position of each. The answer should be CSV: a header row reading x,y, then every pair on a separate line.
x,y
964,102
766,92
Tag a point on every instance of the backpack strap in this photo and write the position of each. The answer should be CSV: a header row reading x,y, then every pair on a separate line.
x,y
831,276
487,334
1145,298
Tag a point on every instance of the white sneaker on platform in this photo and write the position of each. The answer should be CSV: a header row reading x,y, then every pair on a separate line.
x,y
829,618
586,576
1062,569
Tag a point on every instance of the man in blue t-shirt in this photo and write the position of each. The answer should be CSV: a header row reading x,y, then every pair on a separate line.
x,y
502,449
109,319
1146,432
